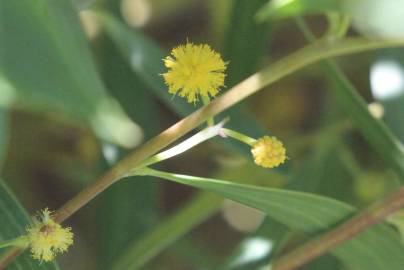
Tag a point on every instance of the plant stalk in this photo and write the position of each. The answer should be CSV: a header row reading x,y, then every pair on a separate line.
x,y
345,232
295,61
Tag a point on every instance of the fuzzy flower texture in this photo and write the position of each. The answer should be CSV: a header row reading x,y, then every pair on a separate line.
x,y
268,152
46,237
194,71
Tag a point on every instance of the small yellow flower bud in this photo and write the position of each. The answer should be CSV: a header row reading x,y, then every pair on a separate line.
x,y
268,152
46,237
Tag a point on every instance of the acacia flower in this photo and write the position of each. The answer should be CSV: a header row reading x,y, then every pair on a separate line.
x,y
46,237
268,152
193,71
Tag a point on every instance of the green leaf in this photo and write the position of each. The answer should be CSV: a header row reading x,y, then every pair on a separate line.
x,y
369,17
168,231
137,201
245,40
277,9
377,18
378,135
372,249
13,222
375,132
389,65
130,207
3,134
46,64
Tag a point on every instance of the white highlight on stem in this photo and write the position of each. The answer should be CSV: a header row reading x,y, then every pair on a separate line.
x,y
192,141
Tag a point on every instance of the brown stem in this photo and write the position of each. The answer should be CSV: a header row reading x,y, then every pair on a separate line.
x,y
345,232
9,256
295,61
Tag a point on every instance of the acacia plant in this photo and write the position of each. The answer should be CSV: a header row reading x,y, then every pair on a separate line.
x,y
330,196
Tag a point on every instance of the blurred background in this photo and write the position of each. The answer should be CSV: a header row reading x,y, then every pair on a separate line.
x,y
56,137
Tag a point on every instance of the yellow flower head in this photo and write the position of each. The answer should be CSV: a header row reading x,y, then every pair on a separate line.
x,y
46,237
193,71
268,152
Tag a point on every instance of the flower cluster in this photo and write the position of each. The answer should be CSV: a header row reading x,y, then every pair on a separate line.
x,y
194,71
46,237
268,152
198,71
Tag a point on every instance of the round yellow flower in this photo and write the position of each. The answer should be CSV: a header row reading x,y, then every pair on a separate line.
x,y
268,152
193,71
46,237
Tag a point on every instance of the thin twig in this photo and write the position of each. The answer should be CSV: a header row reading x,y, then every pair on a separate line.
x,y
295,61
345,232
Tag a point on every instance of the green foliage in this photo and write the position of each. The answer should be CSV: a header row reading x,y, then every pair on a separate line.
x,y
309,213
277,9
145,248
48,67
97,93
3,135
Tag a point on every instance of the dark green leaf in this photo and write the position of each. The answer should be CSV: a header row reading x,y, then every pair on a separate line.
x,y
142,250
3,134
128,206
245,41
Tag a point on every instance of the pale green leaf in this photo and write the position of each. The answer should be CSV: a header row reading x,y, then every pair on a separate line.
x,y
371,250
46,65
277,9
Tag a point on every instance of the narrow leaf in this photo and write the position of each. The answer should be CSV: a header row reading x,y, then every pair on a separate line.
x,y
372,249
142,250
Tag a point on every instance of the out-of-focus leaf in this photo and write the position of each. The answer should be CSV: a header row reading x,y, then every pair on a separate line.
x,y
82,4
370,17
257,248
126,211
3,134
13,223
372,249
142,250
46,64
377,18
277,9
387,84
245,40
375,131
128,206
145,59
